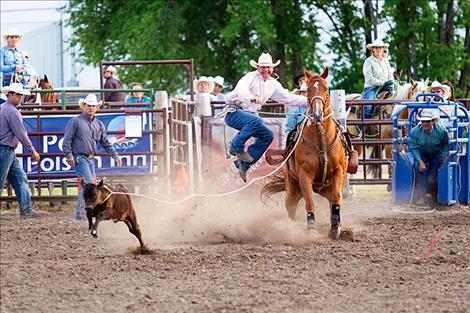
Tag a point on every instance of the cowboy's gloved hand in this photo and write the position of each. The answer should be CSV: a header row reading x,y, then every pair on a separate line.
x,y
19,68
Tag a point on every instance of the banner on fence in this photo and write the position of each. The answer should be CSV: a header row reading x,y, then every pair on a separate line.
x,y
104,164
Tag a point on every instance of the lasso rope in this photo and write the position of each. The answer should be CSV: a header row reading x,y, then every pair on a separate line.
x,y
219,194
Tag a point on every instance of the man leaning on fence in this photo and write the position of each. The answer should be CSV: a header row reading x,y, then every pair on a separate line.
x,y
82,134
12,131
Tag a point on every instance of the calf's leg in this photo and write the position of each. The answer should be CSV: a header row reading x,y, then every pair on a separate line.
x,y
131,222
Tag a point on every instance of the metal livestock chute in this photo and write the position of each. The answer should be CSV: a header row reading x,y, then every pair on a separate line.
x,y
453,176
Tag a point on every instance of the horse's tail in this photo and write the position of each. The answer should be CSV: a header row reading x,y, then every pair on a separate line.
x,y
276,183
373,169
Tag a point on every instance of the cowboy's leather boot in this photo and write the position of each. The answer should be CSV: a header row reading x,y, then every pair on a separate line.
x,y
241,170
243,156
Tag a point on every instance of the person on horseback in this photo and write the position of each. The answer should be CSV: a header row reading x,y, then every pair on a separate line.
x,y
429,144
12,59
295,115
250,93
377,73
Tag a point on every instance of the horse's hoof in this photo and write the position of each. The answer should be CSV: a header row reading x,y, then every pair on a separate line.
x,y
389,187
311,228
335,232
94,233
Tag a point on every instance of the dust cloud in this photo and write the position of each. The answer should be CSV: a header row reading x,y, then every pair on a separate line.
x,y
237,218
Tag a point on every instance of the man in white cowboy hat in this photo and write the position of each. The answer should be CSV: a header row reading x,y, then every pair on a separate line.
x,y
250,93
217,94
112,83
440,89
377,72
12,131
12,60
203,85
82,135
429,144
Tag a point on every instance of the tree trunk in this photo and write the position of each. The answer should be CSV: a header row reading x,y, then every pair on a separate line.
x,y
370,21
279,51
449,25
464,81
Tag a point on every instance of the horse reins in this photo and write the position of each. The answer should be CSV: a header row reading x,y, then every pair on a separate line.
x,y
323,152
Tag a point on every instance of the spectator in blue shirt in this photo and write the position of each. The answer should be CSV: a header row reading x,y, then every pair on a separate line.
x,y
429,144
138,96
12,60
295,115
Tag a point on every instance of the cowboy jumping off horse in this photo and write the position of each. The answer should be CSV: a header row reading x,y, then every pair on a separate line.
x,y
243,103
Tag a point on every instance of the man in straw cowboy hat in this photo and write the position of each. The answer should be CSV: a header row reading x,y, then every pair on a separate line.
x,y
12,60
377,72
112,83
12,131
219,84
429,144
250,93
440,89
82,135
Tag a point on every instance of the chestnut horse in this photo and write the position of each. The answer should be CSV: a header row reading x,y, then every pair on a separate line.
x,y
43,84
318,162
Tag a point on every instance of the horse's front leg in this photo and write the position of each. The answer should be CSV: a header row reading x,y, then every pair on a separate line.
x,y
335,197
307,193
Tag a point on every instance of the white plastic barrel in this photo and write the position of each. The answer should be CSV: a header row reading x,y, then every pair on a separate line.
x,y
161,99
203,104
338,100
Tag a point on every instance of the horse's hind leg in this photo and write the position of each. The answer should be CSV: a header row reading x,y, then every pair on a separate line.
x,y
293,196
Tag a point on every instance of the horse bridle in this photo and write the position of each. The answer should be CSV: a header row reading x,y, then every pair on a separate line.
x,y
312,117
323,151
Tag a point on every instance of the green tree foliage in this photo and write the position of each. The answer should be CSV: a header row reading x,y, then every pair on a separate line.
x,y
221,36
427,38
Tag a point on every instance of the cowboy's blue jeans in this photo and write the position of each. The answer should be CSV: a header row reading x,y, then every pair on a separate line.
x,y
10,169
427,180
84,168
369,94
249,125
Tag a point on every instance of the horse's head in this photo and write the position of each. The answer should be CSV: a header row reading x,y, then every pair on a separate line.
x,y
45,84
318,95
411,89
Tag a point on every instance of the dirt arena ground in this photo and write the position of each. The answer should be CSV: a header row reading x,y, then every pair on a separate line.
x,y
238,255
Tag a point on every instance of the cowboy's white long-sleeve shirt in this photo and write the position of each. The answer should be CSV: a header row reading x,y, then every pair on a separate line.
x,y
253,85
376,72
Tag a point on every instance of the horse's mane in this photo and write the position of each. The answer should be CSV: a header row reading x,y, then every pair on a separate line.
x,y
402,91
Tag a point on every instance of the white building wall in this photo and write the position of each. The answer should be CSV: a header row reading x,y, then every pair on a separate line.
x,y
44,47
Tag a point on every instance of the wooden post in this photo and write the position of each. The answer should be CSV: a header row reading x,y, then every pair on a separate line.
x,y
160,122
64,190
